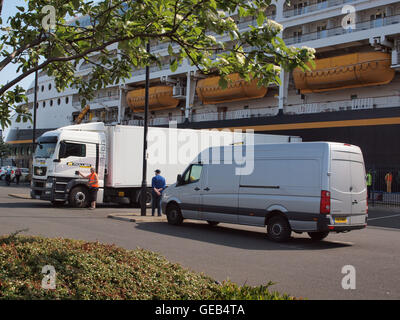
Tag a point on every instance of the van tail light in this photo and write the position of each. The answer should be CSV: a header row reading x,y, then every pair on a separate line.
x,y
325,207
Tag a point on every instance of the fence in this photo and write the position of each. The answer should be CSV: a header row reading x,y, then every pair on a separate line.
x,y
385,188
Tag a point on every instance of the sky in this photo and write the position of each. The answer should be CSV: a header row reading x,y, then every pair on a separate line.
x,y
10,72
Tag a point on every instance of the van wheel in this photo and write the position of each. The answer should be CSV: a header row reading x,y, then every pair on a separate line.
x,y
317,236
278,229
174,215
213,223
79,197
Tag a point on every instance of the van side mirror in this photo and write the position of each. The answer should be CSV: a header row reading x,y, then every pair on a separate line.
x,y
56,160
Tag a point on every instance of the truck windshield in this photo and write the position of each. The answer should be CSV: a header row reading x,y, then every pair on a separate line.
x,y
45,150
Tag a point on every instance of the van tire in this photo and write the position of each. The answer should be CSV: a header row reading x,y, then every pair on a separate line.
x,y
278,229
79,197
174,215
213,223
317,236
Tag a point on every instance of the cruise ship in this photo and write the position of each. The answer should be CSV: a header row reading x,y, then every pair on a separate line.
x,y
352,95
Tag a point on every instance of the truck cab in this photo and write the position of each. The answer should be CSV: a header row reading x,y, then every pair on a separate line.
x,y
58,157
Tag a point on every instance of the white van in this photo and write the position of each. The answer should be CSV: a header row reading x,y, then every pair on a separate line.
x,y
313,187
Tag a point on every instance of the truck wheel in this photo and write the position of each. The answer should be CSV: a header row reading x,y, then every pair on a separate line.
x,y
278,229
79,197
317,236
174,215
213,223
149,198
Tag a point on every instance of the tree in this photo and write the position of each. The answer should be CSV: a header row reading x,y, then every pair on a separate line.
x,y
5,149
114,43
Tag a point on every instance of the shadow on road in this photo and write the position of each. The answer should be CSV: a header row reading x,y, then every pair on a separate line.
x,y
384,217
237,238
26,204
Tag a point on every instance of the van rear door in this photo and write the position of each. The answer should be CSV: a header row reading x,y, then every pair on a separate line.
x,y
340,183
348,185
359,186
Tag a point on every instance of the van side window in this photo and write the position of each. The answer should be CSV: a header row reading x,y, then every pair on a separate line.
x,y
193,174
69,149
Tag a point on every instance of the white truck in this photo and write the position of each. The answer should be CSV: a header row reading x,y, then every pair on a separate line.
x,y
116,153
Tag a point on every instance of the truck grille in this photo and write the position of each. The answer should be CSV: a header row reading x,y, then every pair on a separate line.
x,y
39,171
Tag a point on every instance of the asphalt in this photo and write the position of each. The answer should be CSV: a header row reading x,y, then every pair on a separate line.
x,y
242,254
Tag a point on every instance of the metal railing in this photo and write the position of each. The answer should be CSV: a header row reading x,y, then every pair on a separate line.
x,y
115,97
314,7
385,188
359,26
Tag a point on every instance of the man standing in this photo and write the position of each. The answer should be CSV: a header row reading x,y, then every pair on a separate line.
x,y
18,174
388,180
369,183
93,185
158,186
8,175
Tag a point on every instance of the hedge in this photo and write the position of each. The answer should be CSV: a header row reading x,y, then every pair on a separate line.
x,y
91,270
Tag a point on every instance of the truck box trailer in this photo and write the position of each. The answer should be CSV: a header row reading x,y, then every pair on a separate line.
x,y
116,154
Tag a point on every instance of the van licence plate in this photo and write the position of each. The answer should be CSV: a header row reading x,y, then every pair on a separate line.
x,y
340,220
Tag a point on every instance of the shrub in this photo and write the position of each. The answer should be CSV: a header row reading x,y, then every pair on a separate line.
x,y
91,270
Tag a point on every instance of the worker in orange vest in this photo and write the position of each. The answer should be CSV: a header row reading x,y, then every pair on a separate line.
x,y
388,180
93,185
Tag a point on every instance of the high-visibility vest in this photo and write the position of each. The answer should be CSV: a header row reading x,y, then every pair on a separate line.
x,y
369,179
388,177
93,181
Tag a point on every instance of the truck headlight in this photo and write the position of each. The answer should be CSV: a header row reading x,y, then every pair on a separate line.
x,y
49,185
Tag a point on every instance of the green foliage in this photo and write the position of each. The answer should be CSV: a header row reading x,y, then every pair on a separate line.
x,y
5,149
99,271
115,43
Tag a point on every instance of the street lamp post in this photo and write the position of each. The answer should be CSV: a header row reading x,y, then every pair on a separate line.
x,y
34,112
143,192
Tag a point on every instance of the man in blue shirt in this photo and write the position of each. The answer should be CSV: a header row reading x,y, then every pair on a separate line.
x,y
158,186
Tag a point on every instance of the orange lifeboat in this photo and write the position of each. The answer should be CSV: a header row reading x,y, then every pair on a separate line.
x,y
160,98
347,71
209,91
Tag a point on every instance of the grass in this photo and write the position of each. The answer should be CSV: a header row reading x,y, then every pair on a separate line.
x,y
91,270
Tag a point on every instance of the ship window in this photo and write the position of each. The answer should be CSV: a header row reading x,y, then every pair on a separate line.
x,y
68,149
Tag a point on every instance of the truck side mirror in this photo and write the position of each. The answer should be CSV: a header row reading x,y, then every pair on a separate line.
x,y
179,179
